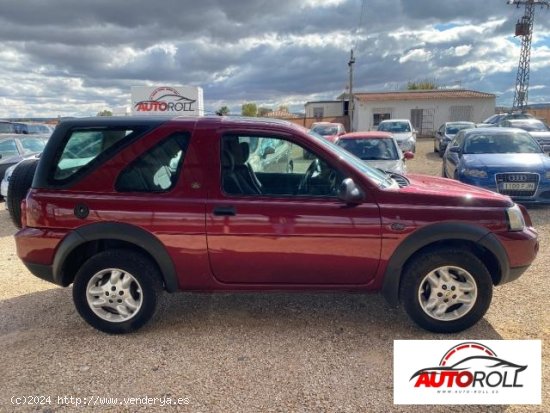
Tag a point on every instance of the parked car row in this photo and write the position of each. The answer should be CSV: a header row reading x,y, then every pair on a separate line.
x,y
27,128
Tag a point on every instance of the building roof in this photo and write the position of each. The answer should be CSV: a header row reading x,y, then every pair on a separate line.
x,y
282,114
423,95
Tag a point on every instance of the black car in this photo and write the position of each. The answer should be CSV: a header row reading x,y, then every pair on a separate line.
x,y
446,134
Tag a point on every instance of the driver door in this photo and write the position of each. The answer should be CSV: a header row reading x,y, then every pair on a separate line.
x,y
294,230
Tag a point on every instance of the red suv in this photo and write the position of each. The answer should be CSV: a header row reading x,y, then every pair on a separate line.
x,y
123,208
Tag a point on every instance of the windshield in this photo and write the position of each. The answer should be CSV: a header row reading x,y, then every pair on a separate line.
x,y
377,176
493,119
456,127
325,130
394,127
373,149
519,142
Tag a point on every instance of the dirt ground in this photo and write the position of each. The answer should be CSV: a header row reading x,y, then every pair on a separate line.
x,y
239,352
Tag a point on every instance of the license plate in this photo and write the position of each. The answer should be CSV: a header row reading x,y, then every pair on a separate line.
x,y
518,186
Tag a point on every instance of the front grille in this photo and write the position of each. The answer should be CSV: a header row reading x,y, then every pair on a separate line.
x,y
506,181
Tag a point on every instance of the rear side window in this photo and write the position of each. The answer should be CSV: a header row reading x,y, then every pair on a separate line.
x,y
85,146
158,169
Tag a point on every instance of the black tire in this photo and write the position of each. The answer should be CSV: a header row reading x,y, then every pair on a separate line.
x,y
414,285
20,182
144,288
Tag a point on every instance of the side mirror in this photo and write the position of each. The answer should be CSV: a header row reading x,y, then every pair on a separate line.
x,y
454,149
349,192
408,155
268,151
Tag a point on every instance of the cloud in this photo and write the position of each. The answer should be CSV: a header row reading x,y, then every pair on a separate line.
x,y
74,58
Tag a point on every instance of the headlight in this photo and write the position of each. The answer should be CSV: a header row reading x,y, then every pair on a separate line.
x,y
547,174
515,219
475,173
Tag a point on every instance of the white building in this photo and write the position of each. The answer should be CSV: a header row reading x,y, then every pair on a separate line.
x,y
326,108
427,109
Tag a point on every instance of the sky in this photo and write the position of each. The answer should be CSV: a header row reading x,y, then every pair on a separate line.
x,y
76,58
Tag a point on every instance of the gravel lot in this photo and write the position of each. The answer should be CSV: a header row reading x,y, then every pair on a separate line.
x,y
241,352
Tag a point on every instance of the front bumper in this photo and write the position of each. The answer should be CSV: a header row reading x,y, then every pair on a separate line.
x,y
541,195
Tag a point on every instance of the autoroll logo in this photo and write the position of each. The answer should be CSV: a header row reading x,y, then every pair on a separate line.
x,y
470,365
467,372
165,99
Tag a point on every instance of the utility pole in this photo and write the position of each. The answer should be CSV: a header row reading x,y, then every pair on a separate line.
x,y
524,29
350,96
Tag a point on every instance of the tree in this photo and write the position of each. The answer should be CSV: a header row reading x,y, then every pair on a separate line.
x,y
426,84
223,111
105,112
264,111
249,109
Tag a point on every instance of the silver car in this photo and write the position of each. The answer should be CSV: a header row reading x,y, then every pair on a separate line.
x,y
377,149
403,132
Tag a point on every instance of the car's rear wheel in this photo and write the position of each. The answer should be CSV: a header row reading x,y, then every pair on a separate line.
x,y
116,291
446,290
20,182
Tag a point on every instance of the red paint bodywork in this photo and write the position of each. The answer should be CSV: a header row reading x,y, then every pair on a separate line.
x,y
271,243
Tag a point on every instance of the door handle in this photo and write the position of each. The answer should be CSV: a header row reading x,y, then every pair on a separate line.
x,y
225,211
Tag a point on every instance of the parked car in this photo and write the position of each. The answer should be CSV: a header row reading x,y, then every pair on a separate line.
x,y
495,119
164,204
403,132
328,130
505,160
447,132
536,128
6,127
31,128
14,148
378,149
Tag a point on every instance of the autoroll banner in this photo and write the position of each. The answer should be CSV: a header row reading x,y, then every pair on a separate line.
x,y
167,100
467,372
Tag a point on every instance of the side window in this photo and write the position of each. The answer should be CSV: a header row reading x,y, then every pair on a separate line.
x,y
272,166
156,170
85,146
8,148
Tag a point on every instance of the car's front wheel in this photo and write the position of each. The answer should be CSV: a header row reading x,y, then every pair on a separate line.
x,y
116,291
446,290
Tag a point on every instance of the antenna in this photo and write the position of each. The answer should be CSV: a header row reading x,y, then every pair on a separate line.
x,y
524,29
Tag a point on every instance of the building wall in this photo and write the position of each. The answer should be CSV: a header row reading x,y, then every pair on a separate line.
x,y
542,114
329,109
434,112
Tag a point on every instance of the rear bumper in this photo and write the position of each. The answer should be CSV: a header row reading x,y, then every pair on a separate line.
x,y
36,248
45,272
